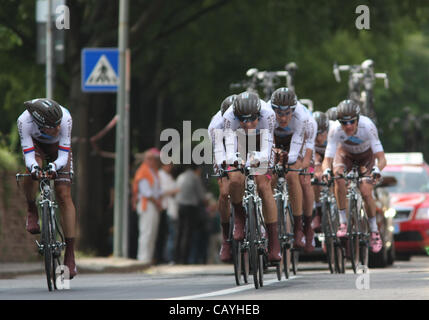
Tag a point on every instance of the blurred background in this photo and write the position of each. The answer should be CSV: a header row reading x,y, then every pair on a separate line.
x,y
184,56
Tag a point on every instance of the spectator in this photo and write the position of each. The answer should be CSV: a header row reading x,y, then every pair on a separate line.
x,y
189,198
147,200
168,217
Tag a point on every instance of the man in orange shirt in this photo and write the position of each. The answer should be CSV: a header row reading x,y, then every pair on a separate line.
x,y
147,201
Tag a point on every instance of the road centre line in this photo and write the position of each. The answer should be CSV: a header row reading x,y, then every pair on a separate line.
x,y
229,291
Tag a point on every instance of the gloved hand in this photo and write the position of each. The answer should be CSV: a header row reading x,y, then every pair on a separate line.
x,y
36,172
375,172
327,174
52,170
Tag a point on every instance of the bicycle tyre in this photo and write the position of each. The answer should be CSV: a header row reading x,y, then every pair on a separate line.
x,y
281,224
245,265
364,235
236,258
294,253
253,248
353,231
329,234
46,242
262,246
287,259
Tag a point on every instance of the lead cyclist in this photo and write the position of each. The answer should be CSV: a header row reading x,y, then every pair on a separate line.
x,y
215,129
45,132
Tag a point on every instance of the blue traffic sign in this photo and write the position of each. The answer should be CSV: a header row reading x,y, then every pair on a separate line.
x,y
100,69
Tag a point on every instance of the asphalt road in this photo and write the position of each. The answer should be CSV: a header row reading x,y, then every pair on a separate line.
x,y
404,280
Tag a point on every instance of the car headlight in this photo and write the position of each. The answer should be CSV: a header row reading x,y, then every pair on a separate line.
x,y
422,214
390,213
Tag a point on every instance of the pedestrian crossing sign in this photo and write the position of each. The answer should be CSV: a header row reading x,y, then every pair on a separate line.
x,y
100,69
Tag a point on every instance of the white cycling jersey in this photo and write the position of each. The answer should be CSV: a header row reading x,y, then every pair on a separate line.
x,y
216,136
296,127
366,137
310,131
265,128
29,130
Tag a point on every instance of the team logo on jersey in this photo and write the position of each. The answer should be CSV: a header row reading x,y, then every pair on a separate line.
x,y
354,140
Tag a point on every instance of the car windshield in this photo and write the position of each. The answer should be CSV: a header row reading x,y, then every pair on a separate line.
x,y
413,179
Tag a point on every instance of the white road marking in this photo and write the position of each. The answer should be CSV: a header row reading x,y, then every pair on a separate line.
x,y
231,290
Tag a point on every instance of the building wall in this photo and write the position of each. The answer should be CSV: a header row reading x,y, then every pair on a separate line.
x,y
16,244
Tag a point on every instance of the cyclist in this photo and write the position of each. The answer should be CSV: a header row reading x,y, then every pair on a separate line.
x,y
216,135
45,132
307,154
320,144
353,139
331,113
289,134
249,118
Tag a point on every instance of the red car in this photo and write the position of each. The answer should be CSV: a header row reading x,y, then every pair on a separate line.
x,y
410,199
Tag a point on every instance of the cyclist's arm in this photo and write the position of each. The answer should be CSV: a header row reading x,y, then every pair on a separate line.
x,y
218,146
27,144
380,160
296,142
376,145
267,136
230,145
327,163
64,142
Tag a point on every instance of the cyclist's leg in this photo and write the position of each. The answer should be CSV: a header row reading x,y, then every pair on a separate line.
x,y
316,190
308,200
340,165
224,209
269,211
236,192
366,190
295,196
30,190
68,213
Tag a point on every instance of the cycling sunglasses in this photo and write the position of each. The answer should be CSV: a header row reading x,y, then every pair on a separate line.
x,y
248,118
281,113
346,122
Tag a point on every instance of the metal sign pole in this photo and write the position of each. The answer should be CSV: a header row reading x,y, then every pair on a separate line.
x,y
49,63
121,178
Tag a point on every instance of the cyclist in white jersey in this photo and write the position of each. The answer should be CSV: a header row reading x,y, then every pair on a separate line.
x,y
353,139
216,136
307,155
45,133
320,144
249,127
289,137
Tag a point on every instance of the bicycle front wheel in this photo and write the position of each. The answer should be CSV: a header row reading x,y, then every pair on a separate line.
x,y
364,235
237,259
353,231
253,246
47,229
329,236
